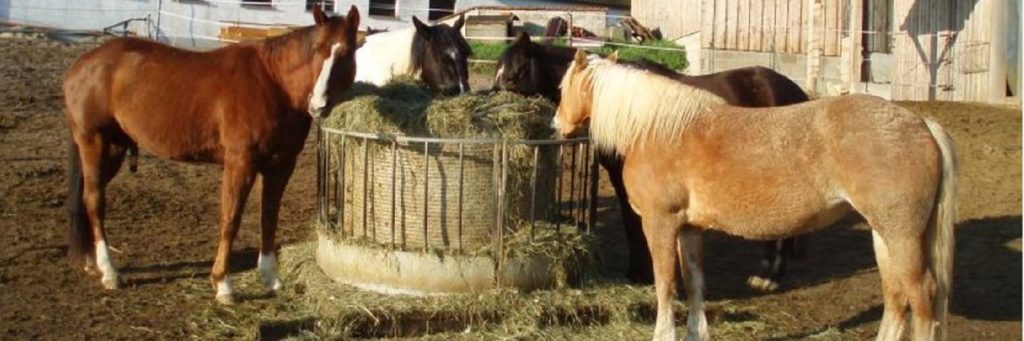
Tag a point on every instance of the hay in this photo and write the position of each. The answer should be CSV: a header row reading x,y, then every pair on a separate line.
x,y
406,107
429,218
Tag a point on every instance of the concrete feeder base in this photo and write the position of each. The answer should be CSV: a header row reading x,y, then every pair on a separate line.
x,y
420,273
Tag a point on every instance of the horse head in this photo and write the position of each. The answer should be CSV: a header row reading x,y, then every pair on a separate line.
x,y
574,109
528,68
517,67
442,53
333,45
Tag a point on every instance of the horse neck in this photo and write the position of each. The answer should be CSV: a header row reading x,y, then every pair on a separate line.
x,y
287,60
631,107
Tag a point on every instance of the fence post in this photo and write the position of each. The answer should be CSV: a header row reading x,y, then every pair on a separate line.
x,y
813,47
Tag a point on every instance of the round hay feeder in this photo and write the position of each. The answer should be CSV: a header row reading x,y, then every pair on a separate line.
x,y
399,213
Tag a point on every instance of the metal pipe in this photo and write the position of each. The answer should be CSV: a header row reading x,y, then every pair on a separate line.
x,y
394,189
461,189
366,175
533,192
426,193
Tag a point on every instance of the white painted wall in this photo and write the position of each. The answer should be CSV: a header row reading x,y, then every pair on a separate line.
x,y
197,23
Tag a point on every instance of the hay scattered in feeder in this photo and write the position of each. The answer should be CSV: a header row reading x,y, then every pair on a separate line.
x,y
406,107
394,183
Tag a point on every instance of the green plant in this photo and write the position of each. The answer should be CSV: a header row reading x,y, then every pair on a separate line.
x,y
663,52
488,50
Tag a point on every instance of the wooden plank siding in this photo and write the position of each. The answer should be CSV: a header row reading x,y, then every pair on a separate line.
x,y
942,50
768,25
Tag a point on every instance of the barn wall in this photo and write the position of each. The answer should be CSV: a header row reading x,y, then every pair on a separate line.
x,y
943,50
674,18
769,25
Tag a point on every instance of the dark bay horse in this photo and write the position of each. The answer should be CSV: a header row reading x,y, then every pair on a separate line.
x,y
247,106
530,69
438,54
693,163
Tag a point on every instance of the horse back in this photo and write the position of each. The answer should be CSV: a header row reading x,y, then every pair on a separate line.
x,y
146,89
799,165
751,87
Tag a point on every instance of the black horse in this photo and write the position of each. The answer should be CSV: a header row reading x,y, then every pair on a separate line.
x,y
529,68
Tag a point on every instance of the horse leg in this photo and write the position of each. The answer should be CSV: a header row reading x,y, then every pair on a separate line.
x,y
234,190
662,233
773,265
639,256
907,257
691,253
891,327
274,182
100,161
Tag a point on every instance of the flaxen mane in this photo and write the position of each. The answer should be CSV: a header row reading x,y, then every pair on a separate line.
x,y
631,106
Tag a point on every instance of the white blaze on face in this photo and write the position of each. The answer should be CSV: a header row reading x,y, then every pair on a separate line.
x,y
318,98
458,72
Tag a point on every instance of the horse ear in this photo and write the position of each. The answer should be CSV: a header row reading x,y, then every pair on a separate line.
x,y
318,15
581,59
352,19
458,23
421,28
522,38
614,57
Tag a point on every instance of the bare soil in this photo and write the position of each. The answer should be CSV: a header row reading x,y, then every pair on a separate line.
x,y
162,226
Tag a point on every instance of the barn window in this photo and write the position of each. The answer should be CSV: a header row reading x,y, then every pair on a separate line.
x,y
326,5
441,8
258,3
384,8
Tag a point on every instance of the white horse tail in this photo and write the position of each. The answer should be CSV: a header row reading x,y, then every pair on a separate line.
x,y
940,235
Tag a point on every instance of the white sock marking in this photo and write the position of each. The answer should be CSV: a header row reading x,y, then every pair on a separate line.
x,y
268,271
318,98
103,264
224,287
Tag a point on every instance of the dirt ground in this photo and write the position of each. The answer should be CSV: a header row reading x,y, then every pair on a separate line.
x,y
162,226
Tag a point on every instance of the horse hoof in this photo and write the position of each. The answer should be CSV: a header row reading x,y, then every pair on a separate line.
x,y
226,299
111,283
762,284
273,287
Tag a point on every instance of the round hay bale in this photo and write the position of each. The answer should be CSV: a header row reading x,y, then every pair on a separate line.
x,y
441,196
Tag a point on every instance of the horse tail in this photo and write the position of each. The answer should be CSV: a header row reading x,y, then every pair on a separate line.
x,y
940,235
80,239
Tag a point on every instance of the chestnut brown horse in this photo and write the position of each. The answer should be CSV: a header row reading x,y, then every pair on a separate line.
x,y
695,163
529,68
247,106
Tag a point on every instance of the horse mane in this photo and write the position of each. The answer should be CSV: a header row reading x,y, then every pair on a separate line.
x,y
631,106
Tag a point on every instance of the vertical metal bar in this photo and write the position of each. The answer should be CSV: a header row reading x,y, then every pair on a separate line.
x,y
533,192
558,189
366,176
339,190
502,204
426,193
344,153
461,182
394,189
572,182
584,185
319,175
594,179
495,176
326,174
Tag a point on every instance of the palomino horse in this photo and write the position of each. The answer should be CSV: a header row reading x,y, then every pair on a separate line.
x,y
530,68
694,163
437,54
246,106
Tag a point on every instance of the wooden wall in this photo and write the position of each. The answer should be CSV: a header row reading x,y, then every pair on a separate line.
x,y
675,18
769,25
942,50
